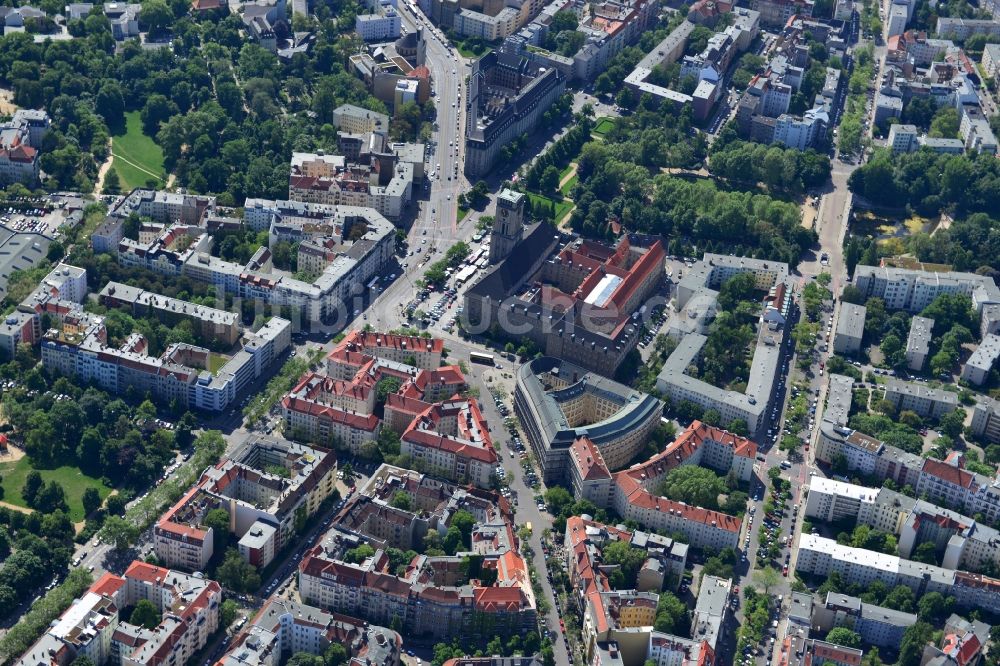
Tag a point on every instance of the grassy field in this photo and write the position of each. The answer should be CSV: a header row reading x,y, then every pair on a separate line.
x,y
568,185
215,362
137,157
462,212
562,207
464,47
603,126
72,480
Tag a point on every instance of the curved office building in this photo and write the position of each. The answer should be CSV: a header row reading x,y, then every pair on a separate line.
x,y
558,402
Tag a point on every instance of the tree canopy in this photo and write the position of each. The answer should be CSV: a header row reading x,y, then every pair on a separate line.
x,y
145,614
694,485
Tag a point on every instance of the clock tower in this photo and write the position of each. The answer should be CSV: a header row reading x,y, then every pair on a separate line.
x,y
508,225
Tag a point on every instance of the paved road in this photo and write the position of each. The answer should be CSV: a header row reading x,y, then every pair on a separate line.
x,y
435,227
526,511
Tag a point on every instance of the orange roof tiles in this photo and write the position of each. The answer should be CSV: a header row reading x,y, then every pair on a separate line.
x,y
823,652
948,473
366,340
493,599
588,459
449,375
168,524
646,500
634,481
368,422
107,585
425,431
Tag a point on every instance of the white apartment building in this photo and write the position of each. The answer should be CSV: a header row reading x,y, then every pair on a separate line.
x,y
867,455
913,290
714,269
358,120
378,27
991,60
819,556
986,419
283,628
918,342
831,500
945,482
961,29
897,20
979,365
975,130
926,402
471,23
801,132
964,542
903,138
850,329
750,407
839,397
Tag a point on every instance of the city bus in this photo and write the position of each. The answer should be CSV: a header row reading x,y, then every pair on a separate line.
x,y
478,357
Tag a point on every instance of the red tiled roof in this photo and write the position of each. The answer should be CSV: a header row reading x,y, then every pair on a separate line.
x,y
364,422
492,599
823,652
21,153
435,440
366,341
644,499
107,584
969,649
449,375
685,445
147,573
600,615
978,581
405,404
651,261
588,459
167,523
948,473
424,431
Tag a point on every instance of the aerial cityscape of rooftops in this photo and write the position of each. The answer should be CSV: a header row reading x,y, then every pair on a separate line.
x,y
500,333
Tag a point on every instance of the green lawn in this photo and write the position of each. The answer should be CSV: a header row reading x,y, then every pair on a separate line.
x,y
463,46
73,481
603,126
215,362
462,212
562,207
566,170
137,157
568,186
